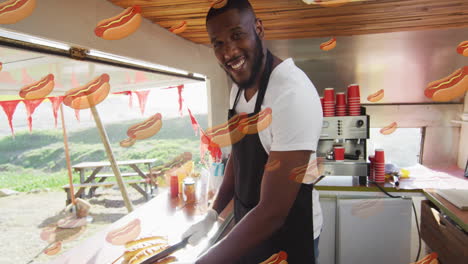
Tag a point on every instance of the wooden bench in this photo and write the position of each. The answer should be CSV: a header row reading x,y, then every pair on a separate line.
x,y
82,187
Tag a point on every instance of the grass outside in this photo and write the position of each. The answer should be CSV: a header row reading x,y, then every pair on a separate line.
x,y
37,160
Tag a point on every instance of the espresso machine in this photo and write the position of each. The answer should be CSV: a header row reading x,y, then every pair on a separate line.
x,y
351,132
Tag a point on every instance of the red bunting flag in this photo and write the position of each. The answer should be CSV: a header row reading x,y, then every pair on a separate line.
x,y
130,97
142,97
56,101
180,88
215,152
77,114
5,77
26,79
9,107
31,106
140,77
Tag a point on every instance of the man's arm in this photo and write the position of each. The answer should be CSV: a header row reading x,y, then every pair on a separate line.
x,y
278,194
226,190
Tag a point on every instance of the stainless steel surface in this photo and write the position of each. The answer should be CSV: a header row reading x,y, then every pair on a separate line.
x,y
345,168
350,132
345,127
401,63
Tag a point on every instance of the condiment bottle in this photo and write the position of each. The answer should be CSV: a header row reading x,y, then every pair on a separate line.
x,y
174,186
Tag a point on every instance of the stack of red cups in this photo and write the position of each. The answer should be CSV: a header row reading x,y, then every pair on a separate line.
x,y
379,166
354,100
340,104
329,102
371,167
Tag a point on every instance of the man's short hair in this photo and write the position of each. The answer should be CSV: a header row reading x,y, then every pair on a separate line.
x,y
240,5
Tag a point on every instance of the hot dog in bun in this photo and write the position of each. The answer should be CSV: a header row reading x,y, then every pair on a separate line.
x,y
217,4
128,142
121,25
448,88
146,129
277,258
377,96
53,249
177,29
463,48
328,45
12,11
123,234
88,95
389,129
272,165
225,134
39,89
327,3
257,122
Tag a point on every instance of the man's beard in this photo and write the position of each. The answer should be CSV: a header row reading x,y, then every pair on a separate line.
x,y
258,59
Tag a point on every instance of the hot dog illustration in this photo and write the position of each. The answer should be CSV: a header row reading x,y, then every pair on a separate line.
x,y
53,249
277,258
179,28
121,25
71,222
123,234
297,174
328,3
389,129
48,233
13,11
428,259
377,96
307,172
128,142
448,88
256,123
146,129
217,4
367,207
463,48
39,89
225,134
328,45
272,165
88,95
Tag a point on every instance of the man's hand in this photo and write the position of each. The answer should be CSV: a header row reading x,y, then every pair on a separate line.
x,y
201,229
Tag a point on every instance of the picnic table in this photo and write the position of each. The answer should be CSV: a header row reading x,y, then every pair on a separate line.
x,y
90,177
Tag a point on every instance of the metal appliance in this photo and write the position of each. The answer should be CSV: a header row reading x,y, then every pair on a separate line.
x,y
351,132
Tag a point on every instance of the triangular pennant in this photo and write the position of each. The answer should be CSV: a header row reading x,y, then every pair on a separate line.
x,y
181,99
140,77
77,114
215,152
26,79
5,77
31,106
142,97
130,97
9,107
56,101
74,81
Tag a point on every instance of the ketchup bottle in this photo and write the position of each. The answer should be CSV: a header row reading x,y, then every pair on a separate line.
x,y
174,186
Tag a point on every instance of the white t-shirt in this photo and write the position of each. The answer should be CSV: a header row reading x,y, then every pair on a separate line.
x,y
296,117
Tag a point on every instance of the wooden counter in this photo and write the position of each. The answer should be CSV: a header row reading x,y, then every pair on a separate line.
x,y
160,216
458,216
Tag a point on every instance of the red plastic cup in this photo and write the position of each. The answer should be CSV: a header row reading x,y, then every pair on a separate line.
x,y
379,156
353,90
340,99
329,95
339,153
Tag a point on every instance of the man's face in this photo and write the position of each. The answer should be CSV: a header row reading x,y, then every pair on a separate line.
x,y
237,46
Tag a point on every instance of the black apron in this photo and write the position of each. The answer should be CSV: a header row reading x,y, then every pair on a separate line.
x,y
296,236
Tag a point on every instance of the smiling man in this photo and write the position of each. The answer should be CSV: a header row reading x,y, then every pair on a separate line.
x,y
273,213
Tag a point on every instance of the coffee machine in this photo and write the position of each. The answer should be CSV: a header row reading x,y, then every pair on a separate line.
x,y
352,133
